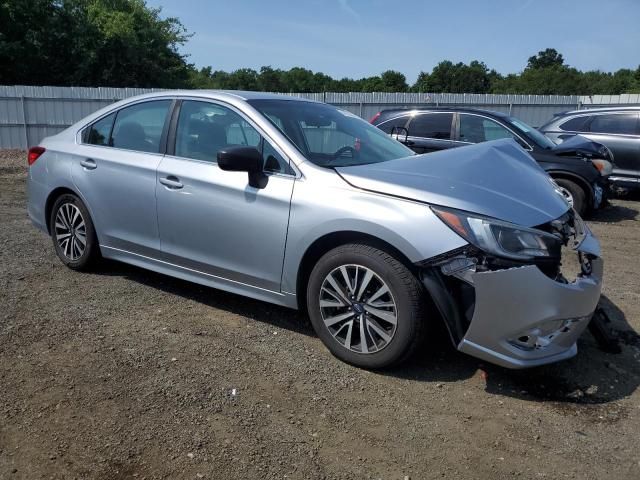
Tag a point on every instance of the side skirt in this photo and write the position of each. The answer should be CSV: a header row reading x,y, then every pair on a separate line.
x,y
195,276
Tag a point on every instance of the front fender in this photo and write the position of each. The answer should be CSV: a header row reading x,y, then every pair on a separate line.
x,y
410,227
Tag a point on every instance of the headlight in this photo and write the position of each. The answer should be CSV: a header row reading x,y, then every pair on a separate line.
x,y
500,238
605,168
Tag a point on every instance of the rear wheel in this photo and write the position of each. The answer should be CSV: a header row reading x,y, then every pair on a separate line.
x,y
574,194
366,306
73,234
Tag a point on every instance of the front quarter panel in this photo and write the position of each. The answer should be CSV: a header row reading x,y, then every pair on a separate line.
x,y
328,205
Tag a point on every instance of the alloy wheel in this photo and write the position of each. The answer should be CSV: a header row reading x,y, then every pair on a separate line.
x,y
358,308
70,231
567,195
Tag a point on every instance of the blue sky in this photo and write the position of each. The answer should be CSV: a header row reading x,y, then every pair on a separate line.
x,y
356,38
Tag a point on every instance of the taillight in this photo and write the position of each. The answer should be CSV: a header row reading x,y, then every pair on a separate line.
x,y
375,117
34,154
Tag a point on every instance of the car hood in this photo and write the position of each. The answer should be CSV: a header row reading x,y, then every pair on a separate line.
x,y
579,146
498,179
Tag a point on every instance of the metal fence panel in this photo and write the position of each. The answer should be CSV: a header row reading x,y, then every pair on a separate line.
x,y
30,113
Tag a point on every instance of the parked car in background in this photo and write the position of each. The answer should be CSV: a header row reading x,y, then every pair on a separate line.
x,y
580,169
300,204
617,128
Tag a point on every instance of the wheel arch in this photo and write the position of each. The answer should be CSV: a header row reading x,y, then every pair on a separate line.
x,y
51,199
332,240
577,179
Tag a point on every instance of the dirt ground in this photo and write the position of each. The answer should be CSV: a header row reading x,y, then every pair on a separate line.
x,y
123,373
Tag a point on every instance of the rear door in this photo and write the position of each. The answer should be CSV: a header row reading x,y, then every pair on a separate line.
x,y
430,131
619,132
212,220
114,170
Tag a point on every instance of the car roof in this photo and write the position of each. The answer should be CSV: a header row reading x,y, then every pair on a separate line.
x,y
222,94
598,110
389,111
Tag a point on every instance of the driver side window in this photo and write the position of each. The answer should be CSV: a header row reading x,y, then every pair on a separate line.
x,y
205,128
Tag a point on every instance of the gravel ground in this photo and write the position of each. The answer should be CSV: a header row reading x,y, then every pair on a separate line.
x,y
123,373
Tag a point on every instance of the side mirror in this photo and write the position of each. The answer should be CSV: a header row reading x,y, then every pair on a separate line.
x,y
400,134
244,159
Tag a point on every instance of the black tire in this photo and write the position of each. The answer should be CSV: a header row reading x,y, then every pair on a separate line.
x,y
406,291
91,251
578,194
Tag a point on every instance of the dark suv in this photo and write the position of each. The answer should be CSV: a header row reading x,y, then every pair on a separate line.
x,y
617,128
579,167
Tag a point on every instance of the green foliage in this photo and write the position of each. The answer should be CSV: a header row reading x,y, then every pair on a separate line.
x,y
125,43
90,42
456,78
545,59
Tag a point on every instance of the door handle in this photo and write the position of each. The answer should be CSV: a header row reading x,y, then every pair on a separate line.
x,y
89,163
171,182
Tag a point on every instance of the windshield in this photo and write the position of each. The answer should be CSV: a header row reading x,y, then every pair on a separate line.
x,y
533,134
330,137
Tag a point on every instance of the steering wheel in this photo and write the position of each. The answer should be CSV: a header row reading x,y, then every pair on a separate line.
x,y
344,150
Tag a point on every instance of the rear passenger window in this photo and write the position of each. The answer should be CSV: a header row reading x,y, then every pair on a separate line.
x,y
206,128
140,126
577,124
389,125
100,132
620,123
431,125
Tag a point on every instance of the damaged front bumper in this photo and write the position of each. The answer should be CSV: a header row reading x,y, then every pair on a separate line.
x,y
517,317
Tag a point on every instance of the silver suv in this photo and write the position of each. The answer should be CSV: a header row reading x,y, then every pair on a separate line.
x,y
616,128
304,205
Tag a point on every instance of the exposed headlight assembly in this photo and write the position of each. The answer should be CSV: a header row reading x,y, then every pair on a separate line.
x,y
502,239
605,168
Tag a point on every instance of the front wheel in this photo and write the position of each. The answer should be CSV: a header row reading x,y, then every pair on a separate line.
x,y
366,306
574,194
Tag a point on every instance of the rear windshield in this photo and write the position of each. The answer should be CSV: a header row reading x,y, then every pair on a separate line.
x,y
330,137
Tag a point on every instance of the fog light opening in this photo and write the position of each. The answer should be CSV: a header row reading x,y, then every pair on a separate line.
x,y
544,334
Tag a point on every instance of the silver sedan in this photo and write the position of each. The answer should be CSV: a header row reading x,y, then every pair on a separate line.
x,y
304,205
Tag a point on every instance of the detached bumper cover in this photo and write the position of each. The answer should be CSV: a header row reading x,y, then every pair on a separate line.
x,y
522,318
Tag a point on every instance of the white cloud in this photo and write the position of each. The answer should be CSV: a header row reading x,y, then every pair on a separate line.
x,y
345,7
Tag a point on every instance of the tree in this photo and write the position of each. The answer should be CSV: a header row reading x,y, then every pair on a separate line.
x,y
545,59
125,43
447,77
270,80
392,81
90,42
422,83
554,80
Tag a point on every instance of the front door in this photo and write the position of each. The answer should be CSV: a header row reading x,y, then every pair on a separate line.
x,y
211,220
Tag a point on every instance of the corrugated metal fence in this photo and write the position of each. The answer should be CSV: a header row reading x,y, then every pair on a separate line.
x,y
28,114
